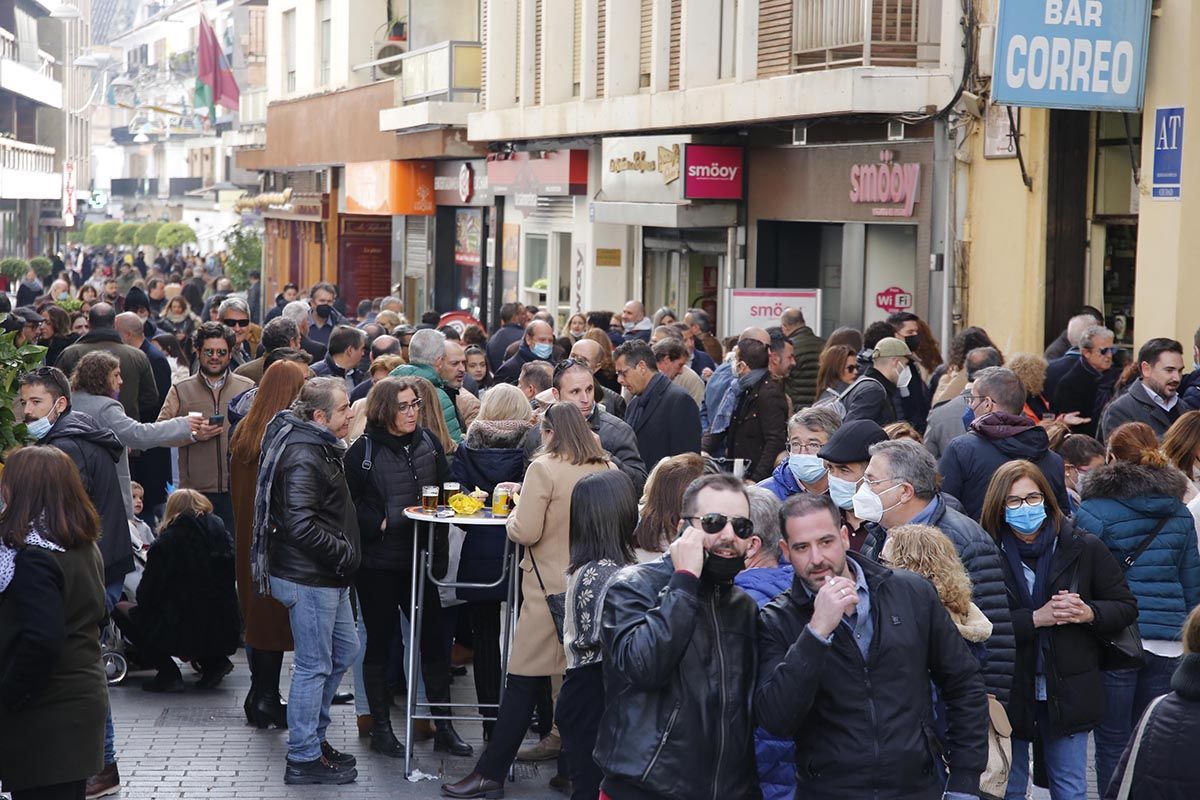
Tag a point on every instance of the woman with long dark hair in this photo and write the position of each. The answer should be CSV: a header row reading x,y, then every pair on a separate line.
x,y
1066,592
838,368
181,365
659,522
268,629
53,693
603,514
541,524
56,332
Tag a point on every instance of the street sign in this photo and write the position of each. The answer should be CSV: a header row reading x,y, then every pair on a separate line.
x,y
893,300
1167,182
762,308
1082,54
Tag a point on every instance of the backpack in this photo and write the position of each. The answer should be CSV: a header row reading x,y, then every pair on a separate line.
x,y
837,403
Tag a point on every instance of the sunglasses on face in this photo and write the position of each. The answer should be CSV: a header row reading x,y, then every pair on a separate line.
x,y
236,323
715,523
210,353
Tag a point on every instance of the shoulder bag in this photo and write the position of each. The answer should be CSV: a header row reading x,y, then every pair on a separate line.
x,y
1123,793
557,603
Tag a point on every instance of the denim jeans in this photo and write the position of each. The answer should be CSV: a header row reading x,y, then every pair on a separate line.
x,y
112,593
326,646
361,707
1127,692
1066,762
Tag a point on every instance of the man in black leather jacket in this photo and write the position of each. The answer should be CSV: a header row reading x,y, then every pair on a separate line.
x,y
312,552
846,660
679,662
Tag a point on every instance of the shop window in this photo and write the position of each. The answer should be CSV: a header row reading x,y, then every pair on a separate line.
x,y
1116,194
535,280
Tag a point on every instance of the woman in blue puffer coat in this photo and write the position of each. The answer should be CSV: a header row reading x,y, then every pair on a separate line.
x,y
1124,502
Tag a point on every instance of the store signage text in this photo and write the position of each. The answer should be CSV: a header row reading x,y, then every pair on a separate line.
x,y
887,182
1167,183
893,299
1085,54
667,164
763,307
712,172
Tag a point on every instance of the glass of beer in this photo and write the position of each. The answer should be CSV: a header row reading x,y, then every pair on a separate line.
x,y
501,502
449,489
429,498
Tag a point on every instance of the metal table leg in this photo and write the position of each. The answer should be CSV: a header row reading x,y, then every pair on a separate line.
x,y
414,633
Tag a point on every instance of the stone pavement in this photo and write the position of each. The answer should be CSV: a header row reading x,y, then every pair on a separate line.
x,y
197,745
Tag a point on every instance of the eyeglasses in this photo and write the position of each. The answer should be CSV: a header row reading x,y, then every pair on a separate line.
x,y
715,523
1107,351
236,323
1012,502
211,353
798,446
404,408
853,369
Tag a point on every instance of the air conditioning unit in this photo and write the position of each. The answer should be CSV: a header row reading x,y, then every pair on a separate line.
x,y
387,49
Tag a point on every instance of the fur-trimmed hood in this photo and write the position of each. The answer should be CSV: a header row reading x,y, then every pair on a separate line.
x,y
496,434
1123,481
975,627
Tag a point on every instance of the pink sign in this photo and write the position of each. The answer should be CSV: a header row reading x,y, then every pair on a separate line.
x,y
889,185
712,172
893,299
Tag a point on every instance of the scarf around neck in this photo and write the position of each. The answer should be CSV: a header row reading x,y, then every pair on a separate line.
x,y
8,555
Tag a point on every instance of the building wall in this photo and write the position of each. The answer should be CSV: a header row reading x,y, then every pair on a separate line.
x,y
355,26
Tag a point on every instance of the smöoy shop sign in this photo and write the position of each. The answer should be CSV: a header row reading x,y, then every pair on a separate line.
x,y
891,186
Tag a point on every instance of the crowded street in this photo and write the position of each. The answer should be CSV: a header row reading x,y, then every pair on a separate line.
x,y
599,399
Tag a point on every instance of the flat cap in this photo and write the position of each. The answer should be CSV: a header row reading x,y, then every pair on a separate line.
x,y
851,443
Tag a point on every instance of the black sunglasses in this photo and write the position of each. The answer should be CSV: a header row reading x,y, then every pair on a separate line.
x,y
240,323
715,523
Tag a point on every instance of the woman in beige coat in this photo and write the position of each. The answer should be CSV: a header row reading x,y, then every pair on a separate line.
x,y
541,524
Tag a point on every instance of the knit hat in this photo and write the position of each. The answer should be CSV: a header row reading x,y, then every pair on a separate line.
x,y
136,299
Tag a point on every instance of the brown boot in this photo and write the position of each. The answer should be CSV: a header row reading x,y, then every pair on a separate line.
x,y
365,723
423,730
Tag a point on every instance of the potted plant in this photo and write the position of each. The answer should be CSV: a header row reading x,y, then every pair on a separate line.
x,y
42,266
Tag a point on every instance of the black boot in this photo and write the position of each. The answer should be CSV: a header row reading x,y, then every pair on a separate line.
x,y
264,707
437,689
383,740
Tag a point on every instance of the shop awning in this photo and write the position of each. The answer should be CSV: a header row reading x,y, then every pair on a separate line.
x,y
665,215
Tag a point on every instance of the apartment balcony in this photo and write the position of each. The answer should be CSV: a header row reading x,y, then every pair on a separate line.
x,y
30,74
436,87
27,172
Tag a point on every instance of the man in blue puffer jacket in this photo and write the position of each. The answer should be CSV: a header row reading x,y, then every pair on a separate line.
x,y
764,579
1123,502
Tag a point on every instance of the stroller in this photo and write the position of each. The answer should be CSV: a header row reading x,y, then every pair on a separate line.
x,y
112,653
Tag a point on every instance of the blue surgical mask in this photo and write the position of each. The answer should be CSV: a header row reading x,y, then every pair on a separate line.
x,y
627,325
806,468
968,417
39,427
1026,519
543,350
841,492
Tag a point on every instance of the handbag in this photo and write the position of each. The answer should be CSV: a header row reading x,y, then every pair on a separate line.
x,y
557,603
993,782
1123,649
1126,787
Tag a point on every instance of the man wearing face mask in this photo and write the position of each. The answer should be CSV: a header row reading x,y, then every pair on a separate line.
x,y
324,317
538,345
900,487
845,457
757,427
950,419
678,663
873,395
803,470
998,434
635,322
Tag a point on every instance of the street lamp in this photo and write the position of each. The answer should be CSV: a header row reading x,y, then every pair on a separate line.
x,y
141,138
88,61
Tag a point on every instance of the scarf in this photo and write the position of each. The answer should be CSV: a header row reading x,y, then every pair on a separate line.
x,y
1041,552
733,394
8,555
268,462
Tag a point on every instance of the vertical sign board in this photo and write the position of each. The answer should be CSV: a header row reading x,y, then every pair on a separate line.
x,y
1168,154
1082,54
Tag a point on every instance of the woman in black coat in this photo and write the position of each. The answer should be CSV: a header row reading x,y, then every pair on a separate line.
x,y
1165,766
187,603
492,452
1065,590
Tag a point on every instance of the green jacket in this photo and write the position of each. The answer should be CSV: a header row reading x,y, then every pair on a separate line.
x,y
801,382
428,373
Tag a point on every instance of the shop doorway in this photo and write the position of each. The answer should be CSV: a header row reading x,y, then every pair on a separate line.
x,y
1066,218
1120,260
803,255
683,269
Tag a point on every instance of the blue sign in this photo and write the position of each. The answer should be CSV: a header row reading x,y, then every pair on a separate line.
x,y
1082,54
1168,154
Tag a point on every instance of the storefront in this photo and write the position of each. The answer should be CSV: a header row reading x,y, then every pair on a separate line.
x,y
463,276
852,221
294,238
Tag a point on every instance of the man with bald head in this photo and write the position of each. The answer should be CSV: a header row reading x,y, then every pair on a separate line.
x,y
537,345
635,322
139,395
721,378
591,352
453,371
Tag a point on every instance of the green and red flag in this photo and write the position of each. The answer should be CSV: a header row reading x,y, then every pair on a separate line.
x,y
214,79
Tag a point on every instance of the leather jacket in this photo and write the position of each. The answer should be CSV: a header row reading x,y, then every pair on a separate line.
x,y
679,669
314,526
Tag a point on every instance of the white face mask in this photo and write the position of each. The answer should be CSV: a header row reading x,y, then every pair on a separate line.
x,y
905,377
869,506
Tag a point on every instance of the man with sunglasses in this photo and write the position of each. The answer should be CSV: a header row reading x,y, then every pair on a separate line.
x,y
235,315
1087,387
679,660
204,465
846,657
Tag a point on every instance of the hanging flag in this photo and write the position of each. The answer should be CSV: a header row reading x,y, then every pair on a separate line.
x,y
214,79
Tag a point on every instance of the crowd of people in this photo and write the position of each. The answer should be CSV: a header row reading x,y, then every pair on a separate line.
x,y
775,566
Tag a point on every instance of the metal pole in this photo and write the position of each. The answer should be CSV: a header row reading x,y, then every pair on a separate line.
x,y
411,689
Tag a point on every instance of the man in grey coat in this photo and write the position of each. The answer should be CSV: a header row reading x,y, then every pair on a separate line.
x,y
573,384
947,420
1154,397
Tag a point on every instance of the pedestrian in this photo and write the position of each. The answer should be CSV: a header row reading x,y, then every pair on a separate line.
x,y
56,334
427,359
903,475
663,416
278,333
1133,505
180,315
757,409
803,470
323,317
658,521
380,369
1080,454
838,369
386,470
1153,398
576,327
541,524
592,353
846,456
604,368
635,323
1160,761
718,403
603,513
536,345
916,398
305,547
512,322
454,376
186,600
1059,366
203,465
573,383
949,420
701,324
1059,347
672,358
268,633
430,417
289,293
999,433
675,638
841,682
53,692
1182,446
477,367
346,347
801,381
874,394
1087,387
139,393
299,312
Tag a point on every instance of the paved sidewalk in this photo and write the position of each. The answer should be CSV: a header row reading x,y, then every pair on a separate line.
x,y
197,744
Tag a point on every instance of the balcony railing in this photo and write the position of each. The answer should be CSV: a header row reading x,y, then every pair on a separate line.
x,y
844,33
39,60
25,157
449,71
